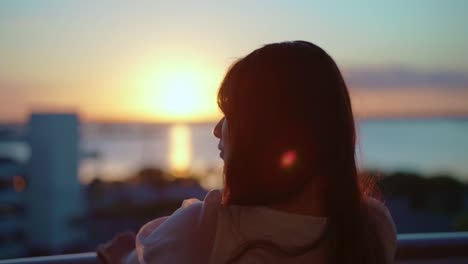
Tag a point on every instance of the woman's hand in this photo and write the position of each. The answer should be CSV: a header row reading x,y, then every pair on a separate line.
x,y
116,250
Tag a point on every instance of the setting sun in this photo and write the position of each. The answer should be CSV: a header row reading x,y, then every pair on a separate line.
x,y
180,92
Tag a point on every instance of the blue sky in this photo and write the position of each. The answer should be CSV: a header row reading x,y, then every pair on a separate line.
x,y
428,34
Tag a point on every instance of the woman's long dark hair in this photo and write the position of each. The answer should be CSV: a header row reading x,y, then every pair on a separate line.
x,y
289,100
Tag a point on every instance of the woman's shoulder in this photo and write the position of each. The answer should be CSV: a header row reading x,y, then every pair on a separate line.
x,y
380,213
383,221
190,215
190,228
194,211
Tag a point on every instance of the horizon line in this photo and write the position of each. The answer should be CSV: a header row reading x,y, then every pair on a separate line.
x,y
383,117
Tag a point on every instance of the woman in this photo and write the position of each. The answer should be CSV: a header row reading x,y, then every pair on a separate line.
x,y
292,192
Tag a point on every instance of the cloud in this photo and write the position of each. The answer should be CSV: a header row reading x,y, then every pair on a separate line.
x,y
431,102
393,77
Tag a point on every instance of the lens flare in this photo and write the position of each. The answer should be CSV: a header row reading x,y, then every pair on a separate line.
x,y
288,159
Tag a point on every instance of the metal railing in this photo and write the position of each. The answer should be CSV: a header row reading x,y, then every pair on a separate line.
x,y
427,248
81,258
431,248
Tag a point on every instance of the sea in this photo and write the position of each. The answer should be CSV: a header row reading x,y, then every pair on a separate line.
x,y
117,151
429,147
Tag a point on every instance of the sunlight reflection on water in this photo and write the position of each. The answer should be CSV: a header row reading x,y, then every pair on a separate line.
x,y
180,149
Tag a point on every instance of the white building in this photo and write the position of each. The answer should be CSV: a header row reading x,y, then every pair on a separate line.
x,y
54,203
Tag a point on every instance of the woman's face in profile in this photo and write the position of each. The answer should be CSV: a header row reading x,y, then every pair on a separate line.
x,y
221,131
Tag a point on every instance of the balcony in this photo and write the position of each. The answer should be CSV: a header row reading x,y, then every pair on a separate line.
x,y
431,248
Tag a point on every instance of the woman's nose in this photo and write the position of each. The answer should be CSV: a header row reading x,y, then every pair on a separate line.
x,y
217,128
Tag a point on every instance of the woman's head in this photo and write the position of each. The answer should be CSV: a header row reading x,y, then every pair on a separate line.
x,y
289,121
284,102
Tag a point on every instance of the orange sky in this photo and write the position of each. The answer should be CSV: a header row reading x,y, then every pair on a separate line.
x,y
194,100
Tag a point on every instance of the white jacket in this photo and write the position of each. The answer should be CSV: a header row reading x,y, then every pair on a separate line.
x,y
207,232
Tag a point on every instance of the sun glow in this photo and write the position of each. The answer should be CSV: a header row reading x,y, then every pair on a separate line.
x,y
180,95
180,92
